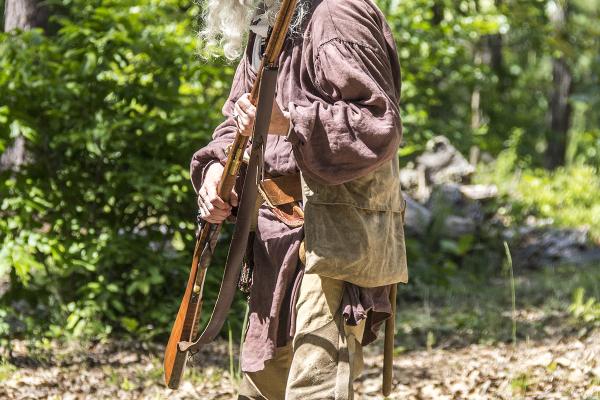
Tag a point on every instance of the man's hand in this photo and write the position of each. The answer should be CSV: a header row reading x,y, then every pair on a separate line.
x,y
245,114
212,208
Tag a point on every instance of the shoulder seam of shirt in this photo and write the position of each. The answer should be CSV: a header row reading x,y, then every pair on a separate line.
x,y
338,34
339,39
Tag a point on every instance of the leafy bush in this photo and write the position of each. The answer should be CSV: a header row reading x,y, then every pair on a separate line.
x,y
569,196
585,310
434,41
96,229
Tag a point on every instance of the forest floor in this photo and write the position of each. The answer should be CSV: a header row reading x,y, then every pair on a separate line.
x,y
549,369
459,341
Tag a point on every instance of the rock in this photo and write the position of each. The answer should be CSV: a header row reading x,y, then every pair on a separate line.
x,y
455,214
417,217
449,199
440,163
479,192
456,226
545,245
438,154
486,158
447,196
443,163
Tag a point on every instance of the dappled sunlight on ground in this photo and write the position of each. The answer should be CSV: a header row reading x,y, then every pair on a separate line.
x,y
567,368
453,342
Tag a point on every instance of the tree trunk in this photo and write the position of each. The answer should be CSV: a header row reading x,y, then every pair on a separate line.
x,y
24,14
476,97
21,14
438,12
560,113
562,81
493,57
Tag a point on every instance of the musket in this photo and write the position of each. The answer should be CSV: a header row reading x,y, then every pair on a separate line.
x,y
184,339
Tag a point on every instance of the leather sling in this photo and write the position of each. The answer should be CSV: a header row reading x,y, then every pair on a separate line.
x,y
237,249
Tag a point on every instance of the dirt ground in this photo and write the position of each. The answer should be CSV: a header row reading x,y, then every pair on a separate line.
x,y
567,368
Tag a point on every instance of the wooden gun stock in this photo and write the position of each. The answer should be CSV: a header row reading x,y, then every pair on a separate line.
x,y
186,322
185,327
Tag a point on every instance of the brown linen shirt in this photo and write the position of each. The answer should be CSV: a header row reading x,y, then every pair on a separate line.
x,y
340,82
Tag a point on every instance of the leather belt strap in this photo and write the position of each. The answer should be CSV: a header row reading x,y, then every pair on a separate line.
x,y
281,190
246,208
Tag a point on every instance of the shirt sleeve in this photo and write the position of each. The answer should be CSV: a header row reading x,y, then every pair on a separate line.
x,y
354,125
224,134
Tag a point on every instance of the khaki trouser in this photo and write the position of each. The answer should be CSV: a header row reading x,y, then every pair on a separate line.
x,y
325,356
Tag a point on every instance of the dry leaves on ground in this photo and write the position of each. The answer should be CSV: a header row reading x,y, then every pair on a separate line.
x,y
567,368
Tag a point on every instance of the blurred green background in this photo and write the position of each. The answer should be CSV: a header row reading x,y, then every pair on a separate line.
x,y
110,100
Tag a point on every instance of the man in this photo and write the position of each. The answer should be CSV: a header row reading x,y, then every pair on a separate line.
x,y
319,289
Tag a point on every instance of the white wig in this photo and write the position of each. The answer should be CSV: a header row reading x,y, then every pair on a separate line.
x,y
226,22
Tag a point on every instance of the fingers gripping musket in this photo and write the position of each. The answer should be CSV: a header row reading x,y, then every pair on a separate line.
x,y
184,338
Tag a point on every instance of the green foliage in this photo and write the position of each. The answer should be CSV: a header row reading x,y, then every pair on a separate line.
x,y
480,309
585,310
521,383
96,229
584,147
7,370
480,73
435,46
570,196
111,108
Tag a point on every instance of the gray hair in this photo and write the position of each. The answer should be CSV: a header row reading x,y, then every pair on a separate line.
x,y
226,23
